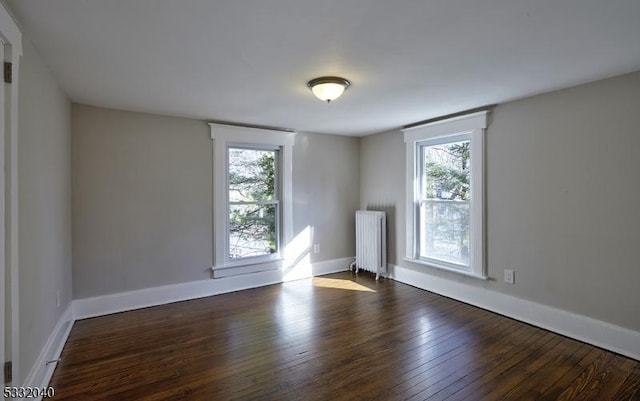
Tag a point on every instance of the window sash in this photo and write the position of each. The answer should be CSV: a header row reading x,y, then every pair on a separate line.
x,y
421,232
420,149
277,195
422,254
421,199
267,256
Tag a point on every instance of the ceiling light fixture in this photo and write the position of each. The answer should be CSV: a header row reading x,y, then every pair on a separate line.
x,y
328,88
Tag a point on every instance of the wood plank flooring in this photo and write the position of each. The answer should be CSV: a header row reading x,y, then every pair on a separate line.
x,y
336,337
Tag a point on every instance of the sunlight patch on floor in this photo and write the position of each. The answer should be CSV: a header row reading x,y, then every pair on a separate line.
x,y
340,284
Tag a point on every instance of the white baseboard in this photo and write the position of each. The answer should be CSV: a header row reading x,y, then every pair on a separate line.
x,y
592,331
331,266
130,300
41,373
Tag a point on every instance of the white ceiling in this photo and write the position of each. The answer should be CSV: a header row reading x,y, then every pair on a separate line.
x,y
248,61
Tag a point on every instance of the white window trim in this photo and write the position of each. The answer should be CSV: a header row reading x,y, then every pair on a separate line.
x,y
11,39
474,125
224,136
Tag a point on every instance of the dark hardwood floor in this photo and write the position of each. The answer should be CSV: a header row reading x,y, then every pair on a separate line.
x,y
336,337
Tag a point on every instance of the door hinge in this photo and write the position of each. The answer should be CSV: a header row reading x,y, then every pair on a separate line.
x,y
8,72
8,369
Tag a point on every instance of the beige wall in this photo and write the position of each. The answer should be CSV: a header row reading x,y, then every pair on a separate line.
x,y
142,198
562,198
44,202
325,192
382,180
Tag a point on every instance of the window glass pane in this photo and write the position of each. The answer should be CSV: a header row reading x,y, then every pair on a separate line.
x,y
446,171
445,230
252,230
444,209
252,175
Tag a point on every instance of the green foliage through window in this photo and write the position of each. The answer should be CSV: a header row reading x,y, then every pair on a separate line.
x,y
253,202
447,171
445,213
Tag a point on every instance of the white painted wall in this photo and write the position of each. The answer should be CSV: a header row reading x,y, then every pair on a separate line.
x,y
44,202
142,199
562,198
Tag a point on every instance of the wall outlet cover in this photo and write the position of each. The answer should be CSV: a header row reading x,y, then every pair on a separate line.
x,y
509,276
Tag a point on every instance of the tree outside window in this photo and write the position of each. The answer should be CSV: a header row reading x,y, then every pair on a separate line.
x,y
253,202
445,202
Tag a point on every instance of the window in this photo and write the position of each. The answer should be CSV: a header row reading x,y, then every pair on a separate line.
x,y
254,206
444,200
252,214
445,197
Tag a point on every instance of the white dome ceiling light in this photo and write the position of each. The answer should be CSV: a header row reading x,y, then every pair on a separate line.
x,y
328,88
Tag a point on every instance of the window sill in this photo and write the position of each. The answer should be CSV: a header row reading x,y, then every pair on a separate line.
x,y
438,266
246,267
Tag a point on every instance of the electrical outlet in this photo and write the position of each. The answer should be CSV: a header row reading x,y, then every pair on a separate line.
x,y
316,248
509,276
